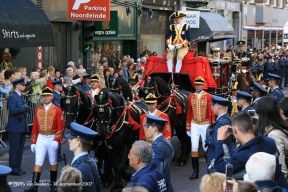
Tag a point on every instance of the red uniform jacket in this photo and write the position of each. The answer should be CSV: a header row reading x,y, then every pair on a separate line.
x,y
199,110
49,83
167,129
47,123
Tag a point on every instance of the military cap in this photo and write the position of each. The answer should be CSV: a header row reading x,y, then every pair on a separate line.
x,y
104,59
199,81
216,49
154,120
258,87
86,76
244,95
273,76
4,171
134,76
46,91
276,58
178,14
139,71
219,100
150,98
80,131
283,55
94,78
241,43
57,82
260,59
19,81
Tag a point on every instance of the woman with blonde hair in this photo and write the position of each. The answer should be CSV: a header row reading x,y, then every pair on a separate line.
x,y
70,180
212,182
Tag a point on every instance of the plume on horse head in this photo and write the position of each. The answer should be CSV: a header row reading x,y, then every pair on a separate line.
x,y
120,86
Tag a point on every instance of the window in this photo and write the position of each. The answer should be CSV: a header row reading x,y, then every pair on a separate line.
x,y
280,3
267,2
274,2
251,1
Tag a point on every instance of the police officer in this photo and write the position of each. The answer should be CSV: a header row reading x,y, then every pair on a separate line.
x,y
268,67
254,68
17,126
86,85
257,91
260,66
163,151
276,65
286,72
243,55
244,100
217,55
219,108
273,82
58,88
80,141
281,69
4,171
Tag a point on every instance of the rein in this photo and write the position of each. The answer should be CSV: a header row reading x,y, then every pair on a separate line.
x,y
113,128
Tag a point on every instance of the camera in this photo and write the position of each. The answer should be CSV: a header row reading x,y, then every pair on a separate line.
x,y
229,176
230,131
252,113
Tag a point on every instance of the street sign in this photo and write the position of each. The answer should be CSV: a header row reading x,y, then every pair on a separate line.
x,y
107,28
193,18
89,10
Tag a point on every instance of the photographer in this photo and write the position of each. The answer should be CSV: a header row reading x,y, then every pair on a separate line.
x,y
243,132
271,124
219,108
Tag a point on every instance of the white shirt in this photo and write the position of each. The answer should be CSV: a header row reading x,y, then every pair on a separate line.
x,y
274,88
18,93
153,113
199,94
94,91
47,106
178,25
78,155
156,137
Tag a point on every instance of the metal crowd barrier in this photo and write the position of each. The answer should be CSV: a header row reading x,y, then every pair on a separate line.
x,y
4,113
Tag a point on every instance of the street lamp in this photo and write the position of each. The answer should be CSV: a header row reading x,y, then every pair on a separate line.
x,y
128,11
139,11
150,13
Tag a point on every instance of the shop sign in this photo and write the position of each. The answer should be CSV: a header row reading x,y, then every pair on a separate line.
x,y
285,33
107,28
89,10
193,18
13,34
230,6
224,5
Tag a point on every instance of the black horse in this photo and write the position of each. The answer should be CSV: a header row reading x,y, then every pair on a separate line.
x,y
174,104
77,106
120,86
116,120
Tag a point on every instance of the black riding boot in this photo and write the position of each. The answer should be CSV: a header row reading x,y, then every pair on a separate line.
x,y
53,178
195,166
35,180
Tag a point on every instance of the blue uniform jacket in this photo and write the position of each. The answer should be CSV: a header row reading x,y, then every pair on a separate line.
x,y
16,106
270,185
240,156
254,69
276,67
56,99
260,68
150,178
185,35
87,173
86,87
255,103
269,68
277,94
211,140
163,154
286,66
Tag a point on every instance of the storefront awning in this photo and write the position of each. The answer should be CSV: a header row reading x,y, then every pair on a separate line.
x,y
213,27
265,28
23,24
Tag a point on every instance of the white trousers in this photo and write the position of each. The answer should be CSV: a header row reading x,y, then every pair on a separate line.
x,y
43,145
196,131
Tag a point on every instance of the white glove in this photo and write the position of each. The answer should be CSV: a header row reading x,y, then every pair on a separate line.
x,y
33,146
54,145
188,133
171,47
178,46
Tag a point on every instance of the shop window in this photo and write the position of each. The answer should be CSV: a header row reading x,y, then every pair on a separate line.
x,y
273,40
280,3
274,3
258,42
250,39
266,39
279,42
153,45
251,1
267,2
